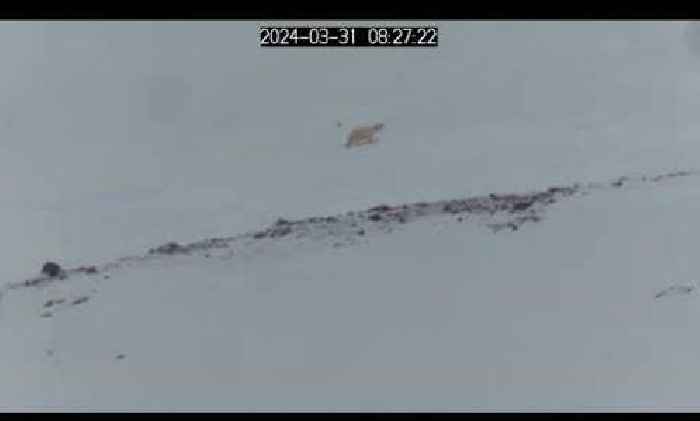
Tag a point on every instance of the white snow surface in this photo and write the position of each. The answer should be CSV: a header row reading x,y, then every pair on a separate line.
x,y
121,136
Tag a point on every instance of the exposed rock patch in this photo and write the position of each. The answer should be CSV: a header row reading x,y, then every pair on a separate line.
x,y
51,303
498,212
80,300
51,269
169,248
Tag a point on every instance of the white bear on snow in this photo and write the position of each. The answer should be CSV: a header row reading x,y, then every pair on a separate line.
x,y
363,135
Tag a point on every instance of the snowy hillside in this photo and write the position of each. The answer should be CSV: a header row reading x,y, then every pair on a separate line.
x,y
522,236
571,311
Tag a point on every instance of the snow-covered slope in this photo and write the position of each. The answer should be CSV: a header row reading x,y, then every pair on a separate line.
x,y
118,137
435,314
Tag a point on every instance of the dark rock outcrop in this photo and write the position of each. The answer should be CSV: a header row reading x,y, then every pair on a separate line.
x,y
80,300
51,269
168,248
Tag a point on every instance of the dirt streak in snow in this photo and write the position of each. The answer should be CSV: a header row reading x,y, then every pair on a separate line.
x,y
495,211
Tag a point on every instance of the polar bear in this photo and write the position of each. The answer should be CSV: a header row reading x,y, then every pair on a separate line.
x,y
363,135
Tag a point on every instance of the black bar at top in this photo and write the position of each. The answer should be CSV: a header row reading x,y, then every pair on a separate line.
x,y
431,11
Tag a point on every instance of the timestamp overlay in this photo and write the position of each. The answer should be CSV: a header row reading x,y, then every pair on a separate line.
x,y
348,36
